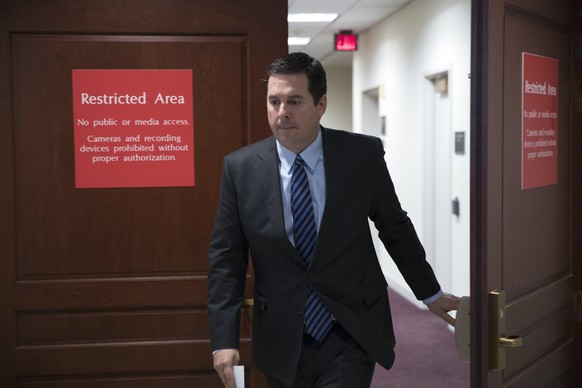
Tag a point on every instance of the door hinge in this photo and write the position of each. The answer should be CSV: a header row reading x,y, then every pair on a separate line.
x,y
577,301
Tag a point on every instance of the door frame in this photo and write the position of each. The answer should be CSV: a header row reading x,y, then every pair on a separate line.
x,y
478,148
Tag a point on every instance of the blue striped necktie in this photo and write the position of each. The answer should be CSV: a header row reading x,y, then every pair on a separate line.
x,y
318,320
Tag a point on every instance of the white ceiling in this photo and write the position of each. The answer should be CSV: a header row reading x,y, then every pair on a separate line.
x,y
355,15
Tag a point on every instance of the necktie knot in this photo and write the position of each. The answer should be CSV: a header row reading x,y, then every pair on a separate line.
x,y
298,163
299,159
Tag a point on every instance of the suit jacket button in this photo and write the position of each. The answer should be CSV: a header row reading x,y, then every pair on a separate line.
x,y
309,275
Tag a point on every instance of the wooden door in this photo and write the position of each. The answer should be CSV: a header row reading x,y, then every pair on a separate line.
x,y
107,287
524,242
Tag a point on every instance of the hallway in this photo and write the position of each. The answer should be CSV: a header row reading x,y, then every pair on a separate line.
x,y
435,361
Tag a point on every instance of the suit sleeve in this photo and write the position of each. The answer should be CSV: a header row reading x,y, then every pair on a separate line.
x,y
228,259
397,233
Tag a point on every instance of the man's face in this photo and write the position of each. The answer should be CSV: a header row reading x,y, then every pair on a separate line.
x,y
293,117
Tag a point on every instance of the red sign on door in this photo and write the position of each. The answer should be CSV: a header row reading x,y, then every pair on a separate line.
x,y
133,128
539,121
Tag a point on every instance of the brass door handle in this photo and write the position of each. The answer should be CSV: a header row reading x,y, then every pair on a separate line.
x,y
498,341
510,342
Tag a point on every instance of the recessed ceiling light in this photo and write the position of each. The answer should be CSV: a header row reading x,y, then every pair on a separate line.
x,y
298,41
311,17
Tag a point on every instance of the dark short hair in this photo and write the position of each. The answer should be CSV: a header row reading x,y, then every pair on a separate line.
x,y
301,63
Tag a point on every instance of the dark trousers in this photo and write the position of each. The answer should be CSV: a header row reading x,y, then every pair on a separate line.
x,y
337,362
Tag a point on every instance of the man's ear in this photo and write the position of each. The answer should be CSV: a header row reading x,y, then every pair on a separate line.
x,y
322,105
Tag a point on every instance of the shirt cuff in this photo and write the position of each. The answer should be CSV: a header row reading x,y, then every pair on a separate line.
x,y
218,350
433,298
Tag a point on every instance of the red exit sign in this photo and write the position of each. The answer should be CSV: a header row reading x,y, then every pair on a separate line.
x,y
346,42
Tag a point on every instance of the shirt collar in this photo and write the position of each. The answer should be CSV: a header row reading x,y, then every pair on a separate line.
x,y
310,155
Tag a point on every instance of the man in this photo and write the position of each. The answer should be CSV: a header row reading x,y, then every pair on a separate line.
x,y
298,204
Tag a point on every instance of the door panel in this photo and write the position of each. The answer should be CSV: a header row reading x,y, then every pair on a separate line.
x,y
107,287
114,231
536,223
523,239
536,267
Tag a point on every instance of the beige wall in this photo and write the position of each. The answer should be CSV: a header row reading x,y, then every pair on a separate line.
x,y
394,58
339,98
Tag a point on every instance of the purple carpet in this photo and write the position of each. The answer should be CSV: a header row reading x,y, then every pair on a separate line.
x,y
426,354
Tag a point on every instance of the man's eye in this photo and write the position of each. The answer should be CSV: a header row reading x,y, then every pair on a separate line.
x,y
294,102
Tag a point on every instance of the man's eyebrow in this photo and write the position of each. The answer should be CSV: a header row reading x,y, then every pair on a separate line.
x,y
294,96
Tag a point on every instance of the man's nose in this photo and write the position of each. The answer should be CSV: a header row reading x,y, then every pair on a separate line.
x,y
283,112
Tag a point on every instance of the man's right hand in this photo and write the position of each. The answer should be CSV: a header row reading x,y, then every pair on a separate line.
x,y
224,360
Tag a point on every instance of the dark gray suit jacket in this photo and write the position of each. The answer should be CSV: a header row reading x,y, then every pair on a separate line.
x,y
345,271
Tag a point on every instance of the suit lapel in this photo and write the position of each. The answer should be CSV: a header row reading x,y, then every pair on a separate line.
x,y
267,173
335,169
